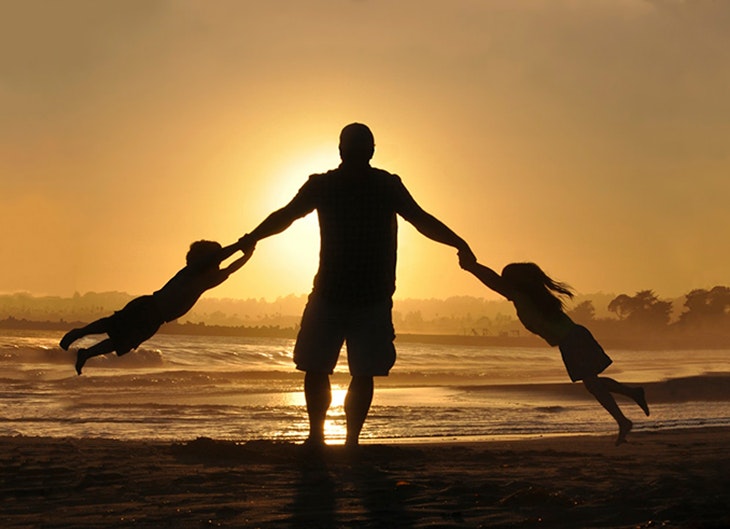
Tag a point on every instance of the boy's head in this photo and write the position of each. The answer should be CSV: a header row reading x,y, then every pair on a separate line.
x,y
202,252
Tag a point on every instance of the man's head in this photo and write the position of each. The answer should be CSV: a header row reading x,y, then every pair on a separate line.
x,y
357,143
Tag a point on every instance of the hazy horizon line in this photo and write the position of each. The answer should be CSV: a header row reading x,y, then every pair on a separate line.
x,y
496,296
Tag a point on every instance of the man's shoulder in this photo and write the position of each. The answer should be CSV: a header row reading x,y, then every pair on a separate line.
x,y
318,178
390,181
385,175
342,178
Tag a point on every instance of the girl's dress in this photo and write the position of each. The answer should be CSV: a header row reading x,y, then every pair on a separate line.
x,y
582,355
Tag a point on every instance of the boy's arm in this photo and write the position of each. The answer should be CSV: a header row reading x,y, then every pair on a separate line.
x,y
228,251
217,258
235,265
224,273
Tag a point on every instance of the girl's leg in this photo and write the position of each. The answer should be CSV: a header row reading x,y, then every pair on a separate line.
x,y
635,393
103,347
96,327
598,389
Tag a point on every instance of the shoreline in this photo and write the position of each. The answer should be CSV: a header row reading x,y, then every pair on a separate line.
x,y
641,341
334,444
677,478
485,441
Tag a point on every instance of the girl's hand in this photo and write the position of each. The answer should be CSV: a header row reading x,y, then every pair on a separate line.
x,y
467,259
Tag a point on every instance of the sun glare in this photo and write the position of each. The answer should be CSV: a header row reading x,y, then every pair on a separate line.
x,y
335,427
293,254
291,174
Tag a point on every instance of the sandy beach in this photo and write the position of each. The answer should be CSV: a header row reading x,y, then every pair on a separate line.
x,y
660,479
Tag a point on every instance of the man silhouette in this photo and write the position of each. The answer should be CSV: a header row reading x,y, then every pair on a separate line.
x,y
351,300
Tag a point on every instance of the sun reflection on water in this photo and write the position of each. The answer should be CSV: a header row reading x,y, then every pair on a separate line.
x,y
335,428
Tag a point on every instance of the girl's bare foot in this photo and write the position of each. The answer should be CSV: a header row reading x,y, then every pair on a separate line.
x,y
623,430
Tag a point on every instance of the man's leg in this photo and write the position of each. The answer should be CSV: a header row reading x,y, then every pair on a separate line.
x,y
318,394
357,404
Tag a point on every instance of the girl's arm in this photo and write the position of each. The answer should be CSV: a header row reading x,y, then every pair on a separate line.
x,y
486,275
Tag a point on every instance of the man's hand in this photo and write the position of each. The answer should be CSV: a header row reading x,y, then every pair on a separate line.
x,y
467,259
247,243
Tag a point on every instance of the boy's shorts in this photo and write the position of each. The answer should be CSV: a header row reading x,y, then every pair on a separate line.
x,y
137,322
367,330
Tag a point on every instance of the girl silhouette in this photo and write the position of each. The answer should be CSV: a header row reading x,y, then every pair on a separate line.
x,y
538,301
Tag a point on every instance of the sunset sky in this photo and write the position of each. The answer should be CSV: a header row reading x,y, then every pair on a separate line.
x,y
590,136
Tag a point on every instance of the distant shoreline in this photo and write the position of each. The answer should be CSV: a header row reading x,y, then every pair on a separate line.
x,y
644,342
647,341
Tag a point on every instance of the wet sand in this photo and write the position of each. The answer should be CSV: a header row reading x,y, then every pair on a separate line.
x,y
659,479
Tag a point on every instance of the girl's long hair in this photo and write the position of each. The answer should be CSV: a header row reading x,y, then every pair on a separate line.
x,y
544,291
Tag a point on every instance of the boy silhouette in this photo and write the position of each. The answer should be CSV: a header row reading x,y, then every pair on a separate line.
x,y
140,319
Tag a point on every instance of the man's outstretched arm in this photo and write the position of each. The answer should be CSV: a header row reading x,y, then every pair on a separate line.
x,y
435,230
275,223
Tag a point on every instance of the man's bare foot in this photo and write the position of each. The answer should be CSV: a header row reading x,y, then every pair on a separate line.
x,y
314,447
640,399
81,358
623,431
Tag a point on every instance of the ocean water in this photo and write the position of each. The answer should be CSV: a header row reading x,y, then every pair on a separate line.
x,y
184,387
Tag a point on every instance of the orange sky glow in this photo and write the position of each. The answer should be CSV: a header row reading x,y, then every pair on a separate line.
x,y
590,137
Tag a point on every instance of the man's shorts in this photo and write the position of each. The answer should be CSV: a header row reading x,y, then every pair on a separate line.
x,y
367,330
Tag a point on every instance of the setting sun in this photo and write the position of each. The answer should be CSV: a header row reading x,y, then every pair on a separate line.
x,y
288,176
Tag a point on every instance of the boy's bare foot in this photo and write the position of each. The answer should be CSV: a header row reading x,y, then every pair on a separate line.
x,y
623,431
641,400
81,358
69,338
